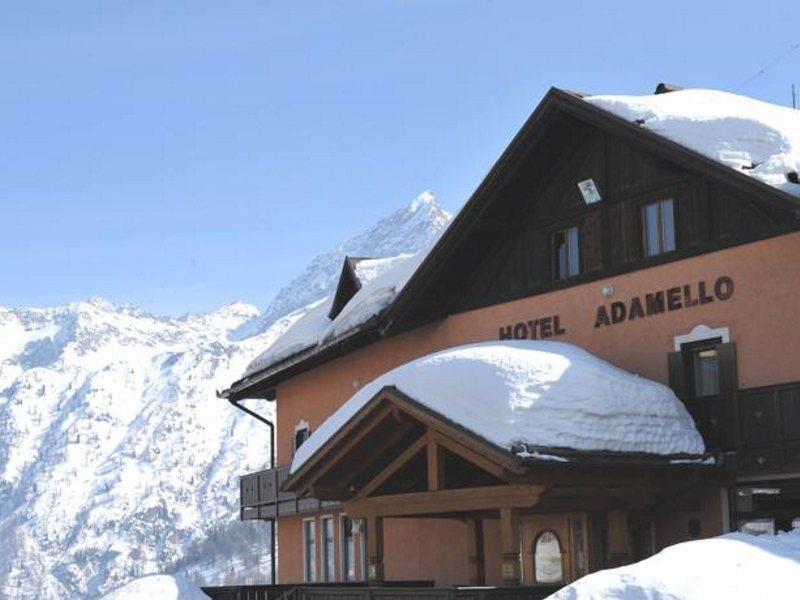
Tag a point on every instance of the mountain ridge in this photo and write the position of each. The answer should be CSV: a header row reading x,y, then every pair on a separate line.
x,y
116,457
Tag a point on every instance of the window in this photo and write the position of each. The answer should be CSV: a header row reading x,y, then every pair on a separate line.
x,y
705,372
328,555
310,550
547,558
566,258
301,433
658,227
348,549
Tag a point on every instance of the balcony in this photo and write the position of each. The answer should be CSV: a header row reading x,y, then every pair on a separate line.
x,y
260,497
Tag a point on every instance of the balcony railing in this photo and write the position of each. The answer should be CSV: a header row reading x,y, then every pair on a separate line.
x,y
260,497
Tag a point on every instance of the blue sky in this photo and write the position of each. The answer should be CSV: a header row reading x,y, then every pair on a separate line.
x,y
181,155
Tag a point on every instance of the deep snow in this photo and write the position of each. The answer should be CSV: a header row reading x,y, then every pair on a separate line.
x,y
117,460
759,139
736,566
537,394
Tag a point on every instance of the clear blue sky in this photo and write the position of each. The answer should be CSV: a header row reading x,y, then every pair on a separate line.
x,y
180,155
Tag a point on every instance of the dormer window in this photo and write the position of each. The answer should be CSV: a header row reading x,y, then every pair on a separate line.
x,y
302,432
658,227
566,257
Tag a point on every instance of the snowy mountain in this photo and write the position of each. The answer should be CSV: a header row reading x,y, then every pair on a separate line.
x,y
116,458
408,230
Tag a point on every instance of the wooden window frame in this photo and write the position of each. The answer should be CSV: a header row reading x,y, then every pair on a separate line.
x,y
643,229
323,550
304,545
358,571
566,229
688,349
536,539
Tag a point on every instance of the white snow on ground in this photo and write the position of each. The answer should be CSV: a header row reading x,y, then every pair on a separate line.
x,y
157,587
117,460
759,139
535,393
736,566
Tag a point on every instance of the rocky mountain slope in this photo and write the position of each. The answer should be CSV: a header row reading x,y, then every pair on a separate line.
x,y
117,459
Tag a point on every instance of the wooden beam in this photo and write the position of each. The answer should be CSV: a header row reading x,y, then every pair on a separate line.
x,y
389,441
375,570
436,476
392,467
469,455
445,501
462,436
347,444
509,546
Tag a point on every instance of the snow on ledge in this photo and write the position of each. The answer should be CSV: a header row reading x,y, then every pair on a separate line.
x,y
157,587
756,138
534,394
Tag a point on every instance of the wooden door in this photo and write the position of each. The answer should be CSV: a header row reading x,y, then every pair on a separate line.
x,y
554,548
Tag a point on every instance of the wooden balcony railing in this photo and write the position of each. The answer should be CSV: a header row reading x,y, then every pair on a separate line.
x,y
260,497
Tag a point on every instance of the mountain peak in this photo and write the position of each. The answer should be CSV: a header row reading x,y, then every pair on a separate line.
x,y
406,231
424,200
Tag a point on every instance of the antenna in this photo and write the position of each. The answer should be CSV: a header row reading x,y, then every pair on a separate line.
x,y
769,65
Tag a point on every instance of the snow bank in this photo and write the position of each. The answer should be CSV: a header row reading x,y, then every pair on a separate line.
x,y
535,394
736,566
158,587
759,139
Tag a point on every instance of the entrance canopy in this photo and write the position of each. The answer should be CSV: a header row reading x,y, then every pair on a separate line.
x,y
526,398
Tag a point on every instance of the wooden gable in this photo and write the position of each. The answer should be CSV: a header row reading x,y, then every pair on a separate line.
x,y
395,445
501,250
347,287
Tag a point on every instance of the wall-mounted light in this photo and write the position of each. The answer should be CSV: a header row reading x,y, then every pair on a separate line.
x,y
608,290
589,191
356,383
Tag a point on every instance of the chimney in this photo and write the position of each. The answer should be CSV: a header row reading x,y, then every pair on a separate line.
x,y
665,88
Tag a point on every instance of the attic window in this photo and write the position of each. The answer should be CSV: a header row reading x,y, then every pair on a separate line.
x,y
658,227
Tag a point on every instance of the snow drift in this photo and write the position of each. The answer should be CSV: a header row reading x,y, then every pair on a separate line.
x,y
756,138
157,587
736,566
535,394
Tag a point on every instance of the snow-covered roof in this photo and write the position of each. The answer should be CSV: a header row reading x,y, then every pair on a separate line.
x,y
736,566
532,395
756,138
381,280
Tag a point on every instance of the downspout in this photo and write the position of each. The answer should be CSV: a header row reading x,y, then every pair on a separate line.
x,y
271,425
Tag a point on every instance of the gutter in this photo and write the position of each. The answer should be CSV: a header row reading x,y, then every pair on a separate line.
x,y
271,425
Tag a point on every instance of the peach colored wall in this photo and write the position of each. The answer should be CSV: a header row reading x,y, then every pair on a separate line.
x,y
762,317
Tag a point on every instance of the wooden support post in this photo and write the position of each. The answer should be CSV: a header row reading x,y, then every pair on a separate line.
x,y
477,561
375,574
509,546
435,466
618,538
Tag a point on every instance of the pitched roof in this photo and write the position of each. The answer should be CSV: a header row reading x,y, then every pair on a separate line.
x,y
652,121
